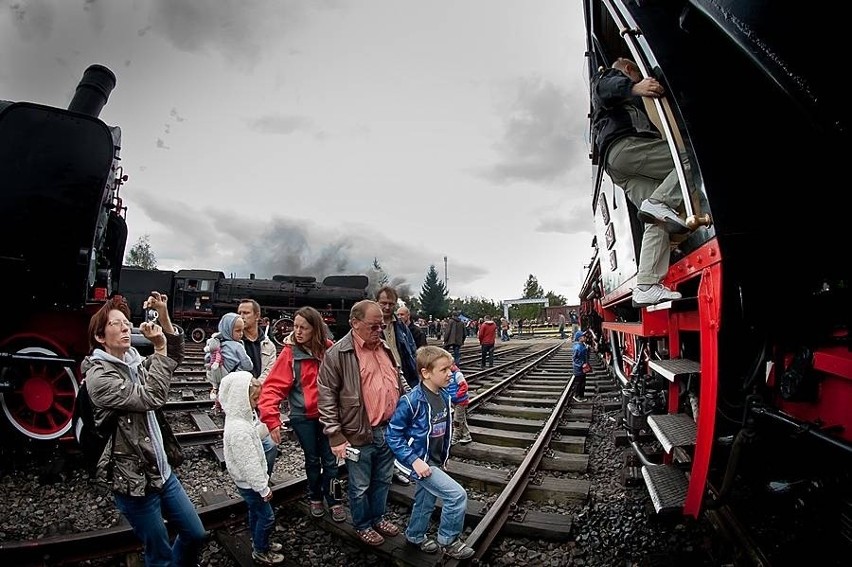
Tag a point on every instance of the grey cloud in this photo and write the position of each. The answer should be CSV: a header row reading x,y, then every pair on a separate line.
x,y
161,144
279,124
33,20
540,141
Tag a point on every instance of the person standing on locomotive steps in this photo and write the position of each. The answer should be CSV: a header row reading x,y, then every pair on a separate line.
x,y
639,161
294,376
359,386
262,353
401,342
138,459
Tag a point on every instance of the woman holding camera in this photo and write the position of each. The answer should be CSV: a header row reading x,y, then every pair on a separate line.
x,y
137,462
294,376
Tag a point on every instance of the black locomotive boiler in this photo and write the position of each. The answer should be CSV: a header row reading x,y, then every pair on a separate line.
x,y
62,240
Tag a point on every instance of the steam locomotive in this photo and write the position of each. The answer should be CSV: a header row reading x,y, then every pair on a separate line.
x,y
62,240
199,298
746,382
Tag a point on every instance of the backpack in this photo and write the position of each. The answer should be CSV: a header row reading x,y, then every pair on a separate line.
x,y
91,439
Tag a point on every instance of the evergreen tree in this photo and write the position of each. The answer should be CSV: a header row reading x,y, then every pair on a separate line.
x,y
433,295
377,277
532,290
141,255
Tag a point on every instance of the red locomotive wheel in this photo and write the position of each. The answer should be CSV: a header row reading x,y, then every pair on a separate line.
x,y
42,403
280,329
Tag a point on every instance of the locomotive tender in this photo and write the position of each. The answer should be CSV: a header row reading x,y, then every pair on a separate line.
x,y
199,298
746,382
60,176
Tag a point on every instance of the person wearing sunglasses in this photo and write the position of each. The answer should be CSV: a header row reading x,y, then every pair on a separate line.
x,y
359,385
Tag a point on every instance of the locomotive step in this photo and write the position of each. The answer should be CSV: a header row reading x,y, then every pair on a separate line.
x,y
667,487
674,368
673,430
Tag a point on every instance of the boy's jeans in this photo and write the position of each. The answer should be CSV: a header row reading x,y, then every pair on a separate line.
x,y
261,519
438,485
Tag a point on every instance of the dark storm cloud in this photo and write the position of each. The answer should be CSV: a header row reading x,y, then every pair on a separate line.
x,y
235,29
540,140
279,124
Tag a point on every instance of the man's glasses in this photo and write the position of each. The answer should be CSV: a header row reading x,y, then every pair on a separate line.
x,y
374,328
119,323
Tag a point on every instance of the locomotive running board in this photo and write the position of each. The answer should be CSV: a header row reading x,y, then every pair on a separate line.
x,y
667,487
674,368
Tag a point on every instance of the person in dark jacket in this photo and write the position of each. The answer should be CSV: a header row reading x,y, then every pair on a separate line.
x,y
454,337
639,161
138,459
404,314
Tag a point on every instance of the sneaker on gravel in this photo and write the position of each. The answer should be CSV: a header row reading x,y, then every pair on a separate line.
x,y
651,212
317,509
465,440
338,513
275,546
458,550
428,545
657,293
267,558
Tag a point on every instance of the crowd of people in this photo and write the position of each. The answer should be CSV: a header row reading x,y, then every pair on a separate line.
x,y
379,399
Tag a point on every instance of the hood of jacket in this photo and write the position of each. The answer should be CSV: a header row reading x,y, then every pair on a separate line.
x,y
132,359
234,395
489,323
226,326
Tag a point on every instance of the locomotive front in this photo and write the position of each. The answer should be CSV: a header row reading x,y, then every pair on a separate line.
x,y
62,239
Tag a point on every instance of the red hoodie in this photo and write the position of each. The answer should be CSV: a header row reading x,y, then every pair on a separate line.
x,y
487,333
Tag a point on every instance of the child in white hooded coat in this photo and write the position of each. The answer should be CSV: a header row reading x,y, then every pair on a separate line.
x,y
246,461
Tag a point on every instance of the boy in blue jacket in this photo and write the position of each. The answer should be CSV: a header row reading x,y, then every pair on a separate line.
x,y
419,435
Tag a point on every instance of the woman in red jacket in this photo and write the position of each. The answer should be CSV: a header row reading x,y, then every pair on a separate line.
x,y
294,376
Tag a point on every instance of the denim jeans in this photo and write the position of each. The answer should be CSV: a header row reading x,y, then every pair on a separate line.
x,y
487,355
438,485
270,451
320,462
261,519
456,352
579,384
145,515
369,481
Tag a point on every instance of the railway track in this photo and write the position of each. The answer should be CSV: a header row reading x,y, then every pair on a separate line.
x,y
525,471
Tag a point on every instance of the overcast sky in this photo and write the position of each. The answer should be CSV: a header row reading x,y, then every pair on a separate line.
x,y
309,137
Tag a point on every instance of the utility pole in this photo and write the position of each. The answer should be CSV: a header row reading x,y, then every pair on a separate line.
x,y
446,277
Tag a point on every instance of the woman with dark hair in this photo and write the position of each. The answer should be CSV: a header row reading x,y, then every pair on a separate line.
x,y
294,376
137,461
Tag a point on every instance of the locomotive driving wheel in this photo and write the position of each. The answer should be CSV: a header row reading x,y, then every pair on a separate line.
x,y
41,403
280,329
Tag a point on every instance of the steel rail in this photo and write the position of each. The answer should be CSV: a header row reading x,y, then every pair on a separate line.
x,y
498,513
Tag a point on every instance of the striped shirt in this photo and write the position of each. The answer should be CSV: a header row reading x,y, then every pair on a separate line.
x,y
379,381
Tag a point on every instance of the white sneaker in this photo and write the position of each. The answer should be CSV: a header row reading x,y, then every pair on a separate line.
x,y
657,293
650,212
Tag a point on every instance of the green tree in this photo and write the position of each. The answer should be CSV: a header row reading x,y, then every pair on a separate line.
x,y
433,295
141,255
555,299
532,290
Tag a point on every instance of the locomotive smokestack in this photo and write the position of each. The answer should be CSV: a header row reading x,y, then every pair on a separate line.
x,y
93,90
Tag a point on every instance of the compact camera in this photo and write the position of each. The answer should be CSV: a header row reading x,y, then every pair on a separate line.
x,y
353,454
151,315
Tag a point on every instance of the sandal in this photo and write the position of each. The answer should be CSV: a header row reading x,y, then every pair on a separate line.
x,y
370,537
386,528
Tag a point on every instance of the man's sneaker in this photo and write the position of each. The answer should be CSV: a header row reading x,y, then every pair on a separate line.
x,y
465,440
275,546
458,550
579,400
650,212
267,558
657,293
